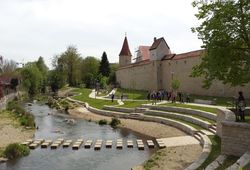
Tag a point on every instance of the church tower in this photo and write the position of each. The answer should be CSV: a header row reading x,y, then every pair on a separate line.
x,y
125,54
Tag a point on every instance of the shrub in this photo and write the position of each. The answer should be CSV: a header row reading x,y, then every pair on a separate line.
x,y
115,122
15,150
27,120
14,105
103,122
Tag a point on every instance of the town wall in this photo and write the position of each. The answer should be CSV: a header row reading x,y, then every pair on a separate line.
x,y
155,75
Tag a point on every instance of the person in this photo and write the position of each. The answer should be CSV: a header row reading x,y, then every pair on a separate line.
x,y
121,96
241,104
148,96
112,97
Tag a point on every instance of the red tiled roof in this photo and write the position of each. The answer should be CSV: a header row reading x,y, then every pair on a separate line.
x,y
196,53
125,48
144,51
157,42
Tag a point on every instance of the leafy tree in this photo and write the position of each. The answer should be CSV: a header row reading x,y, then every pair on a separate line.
x,y
112,75
225,33
56,80
8,67
32,78
44,70
14,83
176,84
104,68
89,70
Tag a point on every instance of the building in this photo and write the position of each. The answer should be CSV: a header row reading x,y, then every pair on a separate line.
x,y
156,66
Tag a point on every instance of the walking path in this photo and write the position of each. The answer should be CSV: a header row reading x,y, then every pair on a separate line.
x,y
180,141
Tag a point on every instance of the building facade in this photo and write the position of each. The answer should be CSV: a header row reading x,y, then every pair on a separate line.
x,y
156,66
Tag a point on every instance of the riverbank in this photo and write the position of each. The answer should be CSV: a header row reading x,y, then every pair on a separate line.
x,y
174,158
11,131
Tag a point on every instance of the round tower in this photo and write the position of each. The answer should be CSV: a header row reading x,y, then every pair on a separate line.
x,y
125,54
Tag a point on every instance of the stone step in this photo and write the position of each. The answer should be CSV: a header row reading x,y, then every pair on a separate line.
x,y
212,130
150,144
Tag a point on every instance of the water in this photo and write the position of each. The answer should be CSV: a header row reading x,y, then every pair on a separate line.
x,y
84,159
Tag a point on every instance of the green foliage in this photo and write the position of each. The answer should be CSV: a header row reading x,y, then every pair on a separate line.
x,y
103,122
56,80
176,84
89,70
97,103
225,33
104,68
104,82
15,150
112,75
132,94
25,118
31,78
215,152
115,122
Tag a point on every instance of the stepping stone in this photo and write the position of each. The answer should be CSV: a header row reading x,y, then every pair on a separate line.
x,y
46,143
67,143
140,144
55,145
33,145
119,143
98,144
130,144
88,144
150,144
109,143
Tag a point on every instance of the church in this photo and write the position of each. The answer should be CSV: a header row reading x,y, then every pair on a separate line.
x,y
155,67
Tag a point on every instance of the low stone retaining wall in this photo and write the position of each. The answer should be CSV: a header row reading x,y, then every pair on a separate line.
x,y
5,100
119,109
241,163
184,110
187,118
207,147
223,115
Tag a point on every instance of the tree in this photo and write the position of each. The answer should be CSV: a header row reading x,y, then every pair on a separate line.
x,y
89,70
175,84
104,68
55,80
225,33
44,70
112,75
32,78
8,67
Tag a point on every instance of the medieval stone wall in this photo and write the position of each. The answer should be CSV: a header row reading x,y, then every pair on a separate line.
x,y
155,75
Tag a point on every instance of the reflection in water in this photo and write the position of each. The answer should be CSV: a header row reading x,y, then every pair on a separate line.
x,y
53,126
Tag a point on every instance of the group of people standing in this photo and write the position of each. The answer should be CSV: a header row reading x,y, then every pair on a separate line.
x,y
167,95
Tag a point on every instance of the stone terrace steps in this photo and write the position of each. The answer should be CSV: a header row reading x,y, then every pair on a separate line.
x,y
241,162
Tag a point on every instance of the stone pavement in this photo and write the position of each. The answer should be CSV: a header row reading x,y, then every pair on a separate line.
x,y
180,141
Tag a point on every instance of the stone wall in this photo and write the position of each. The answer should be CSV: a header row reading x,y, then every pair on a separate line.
x,y
5,100
154,75
235,136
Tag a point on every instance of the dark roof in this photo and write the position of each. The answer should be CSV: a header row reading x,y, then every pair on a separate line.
x,y
125,48
157,42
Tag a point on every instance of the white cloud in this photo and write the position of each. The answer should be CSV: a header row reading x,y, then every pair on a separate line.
x,y
32,28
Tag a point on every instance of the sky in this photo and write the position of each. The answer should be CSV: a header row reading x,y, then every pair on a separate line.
x,y
33,28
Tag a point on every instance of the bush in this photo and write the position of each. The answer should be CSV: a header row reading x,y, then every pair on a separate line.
x,y
115,122
27,120
14,105
103,122
15,150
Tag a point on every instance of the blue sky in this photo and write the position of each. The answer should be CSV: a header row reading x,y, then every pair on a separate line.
x,y
33,28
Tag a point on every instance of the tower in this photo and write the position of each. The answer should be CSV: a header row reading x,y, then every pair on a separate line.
x,y
125,54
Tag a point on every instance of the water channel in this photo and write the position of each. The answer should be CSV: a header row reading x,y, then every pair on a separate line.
x,y
84,159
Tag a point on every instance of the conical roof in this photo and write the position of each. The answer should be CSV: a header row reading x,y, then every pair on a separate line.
x,y
125,48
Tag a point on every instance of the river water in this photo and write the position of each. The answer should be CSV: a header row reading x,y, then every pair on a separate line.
x,y
84,159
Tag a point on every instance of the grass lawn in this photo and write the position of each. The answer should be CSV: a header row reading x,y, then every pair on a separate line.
x,y
206,109
133,104
220,101
97,103
230,160
132,94
247,119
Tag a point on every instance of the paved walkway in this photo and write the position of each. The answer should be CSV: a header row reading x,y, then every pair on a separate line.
x,y
180,141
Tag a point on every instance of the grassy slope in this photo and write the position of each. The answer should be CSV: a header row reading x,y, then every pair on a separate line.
x,y
132,94
202,108
97,103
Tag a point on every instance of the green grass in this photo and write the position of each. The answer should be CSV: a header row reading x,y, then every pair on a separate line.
x,y
97,103
202,108
132,94
220,101
230,160
133,104
215,152
247,118
180,120
152,162
247,167
1,152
